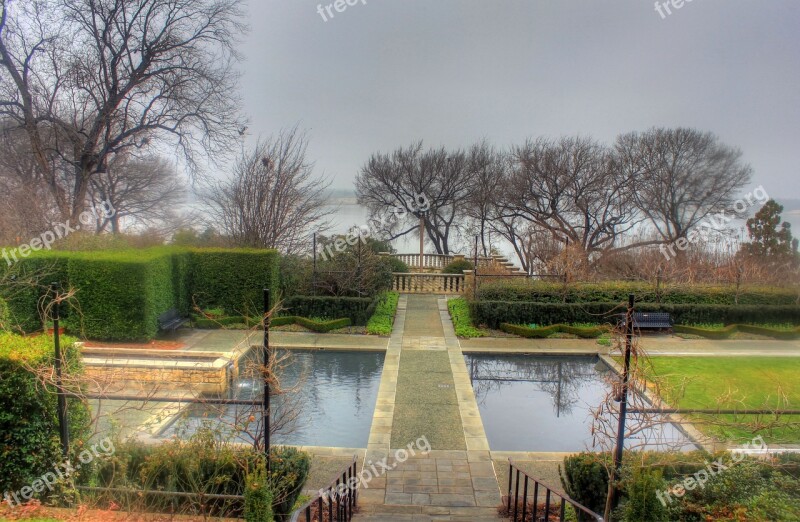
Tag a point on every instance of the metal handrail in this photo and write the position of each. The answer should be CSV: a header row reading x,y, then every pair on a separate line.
x,y
340,499
514,509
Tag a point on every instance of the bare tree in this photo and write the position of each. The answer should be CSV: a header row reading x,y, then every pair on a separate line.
x,y
273,198
488,167
140,191
88,80
680,176
571,188
430,186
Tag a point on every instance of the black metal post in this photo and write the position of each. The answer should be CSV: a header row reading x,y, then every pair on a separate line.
x,y
475,271
623,399
314,265
267,359
63,426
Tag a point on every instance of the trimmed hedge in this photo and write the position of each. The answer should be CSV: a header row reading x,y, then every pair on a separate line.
x,y
547,331
120,294
29,440
357,309
233,279
494,313
617,292
730,330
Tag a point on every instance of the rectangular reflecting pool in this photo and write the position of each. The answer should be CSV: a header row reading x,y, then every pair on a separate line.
x,y
328,400
545,403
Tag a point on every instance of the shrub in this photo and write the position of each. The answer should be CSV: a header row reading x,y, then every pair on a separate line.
x,y
322,326
382,320
462,320
233,279
547,331
458,267
493,313
290,468
617,292
257,496
396,265
641,502
730,330
29,434
585,479
4,323
357,309
120,294
202,464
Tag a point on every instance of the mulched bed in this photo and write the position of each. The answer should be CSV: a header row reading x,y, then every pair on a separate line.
x,y
152,345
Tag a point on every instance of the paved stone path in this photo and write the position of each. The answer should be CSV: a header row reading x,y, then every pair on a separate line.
x,y
456,480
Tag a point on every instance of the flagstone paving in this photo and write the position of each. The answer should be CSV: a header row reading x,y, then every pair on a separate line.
x,y
425,392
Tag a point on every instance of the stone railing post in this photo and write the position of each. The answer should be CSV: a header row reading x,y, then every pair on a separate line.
x,y
469,283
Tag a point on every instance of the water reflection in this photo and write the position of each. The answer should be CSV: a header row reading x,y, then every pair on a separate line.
x,y
558,377
545,403
329,401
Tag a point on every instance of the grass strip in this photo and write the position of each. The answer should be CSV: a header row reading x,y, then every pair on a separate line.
x,y
382,320
462,320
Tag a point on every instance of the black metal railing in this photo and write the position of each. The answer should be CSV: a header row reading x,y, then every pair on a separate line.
x,y
336,503
520,508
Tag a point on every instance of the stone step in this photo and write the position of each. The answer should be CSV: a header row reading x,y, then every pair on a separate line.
x,y
389,512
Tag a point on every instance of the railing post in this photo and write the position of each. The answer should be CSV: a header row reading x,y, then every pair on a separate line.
x,y
266,413
623,403
63,426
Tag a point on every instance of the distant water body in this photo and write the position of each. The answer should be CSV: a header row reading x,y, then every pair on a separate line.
x,y
348,213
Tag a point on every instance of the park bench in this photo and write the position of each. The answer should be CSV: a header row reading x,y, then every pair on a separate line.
x,y
170,320
648,321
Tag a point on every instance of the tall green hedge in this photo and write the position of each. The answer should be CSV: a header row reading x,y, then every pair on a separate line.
x,y
617,292
233,279
120,294
357,309
494,313
29,441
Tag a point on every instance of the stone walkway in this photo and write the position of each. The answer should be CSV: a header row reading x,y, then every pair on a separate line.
x,y
425,387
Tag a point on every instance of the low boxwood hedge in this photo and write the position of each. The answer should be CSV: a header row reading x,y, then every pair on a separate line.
x,y
494,313
729,331
547,331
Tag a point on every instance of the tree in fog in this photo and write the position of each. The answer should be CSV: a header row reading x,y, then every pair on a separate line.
x,y
143,192
487,167
570,189
273,199
680,176
431,186
88,80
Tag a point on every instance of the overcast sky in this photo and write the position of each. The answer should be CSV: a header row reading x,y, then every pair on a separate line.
x,y
450,72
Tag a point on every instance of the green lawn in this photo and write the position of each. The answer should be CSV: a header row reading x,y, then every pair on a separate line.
x,y
735,383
